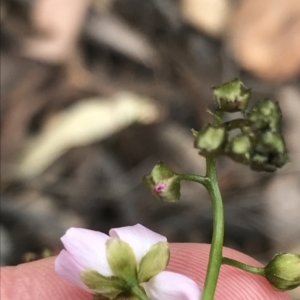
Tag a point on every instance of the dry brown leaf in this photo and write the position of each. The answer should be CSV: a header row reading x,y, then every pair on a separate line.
x,y
84,123
59,22
208,15
114,33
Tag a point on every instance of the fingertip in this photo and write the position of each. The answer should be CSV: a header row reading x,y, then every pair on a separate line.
x,y
234,284
38,281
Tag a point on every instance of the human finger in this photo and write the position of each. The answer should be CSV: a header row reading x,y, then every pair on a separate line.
x,y
233,284
38,280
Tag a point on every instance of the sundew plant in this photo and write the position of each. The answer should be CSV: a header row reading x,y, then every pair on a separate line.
x,y
130,262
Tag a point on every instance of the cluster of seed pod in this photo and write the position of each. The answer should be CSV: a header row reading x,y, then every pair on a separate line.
x,y
259,143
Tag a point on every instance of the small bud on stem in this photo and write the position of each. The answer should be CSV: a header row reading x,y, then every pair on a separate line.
x,y
164,183
283,271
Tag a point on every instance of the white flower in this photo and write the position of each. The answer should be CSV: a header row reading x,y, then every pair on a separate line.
x,y
91,256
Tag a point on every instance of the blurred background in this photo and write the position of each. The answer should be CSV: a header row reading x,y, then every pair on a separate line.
x,y
95,92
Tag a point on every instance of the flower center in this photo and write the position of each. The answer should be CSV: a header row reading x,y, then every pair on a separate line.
x,y
159,187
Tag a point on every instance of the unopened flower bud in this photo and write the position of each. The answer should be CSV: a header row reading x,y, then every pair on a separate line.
x,y
164,183
265,116
211,140
283,271
240,148
232,96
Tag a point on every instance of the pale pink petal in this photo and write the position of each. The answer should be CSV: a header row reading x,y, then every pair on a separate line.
x,y
67,268
169,286
138,237
87,248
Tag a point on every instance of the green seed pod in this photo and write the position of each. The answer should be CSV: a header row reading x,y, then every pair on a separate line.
x,y
232,96
269,152
164,183
283,271
265,116
211,140
270,143
240,148
260,163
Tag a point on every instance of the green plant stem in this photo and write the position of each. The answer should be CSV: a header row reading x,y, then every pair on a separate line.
x,y
196,178
137,291
210,181
242,266
215,255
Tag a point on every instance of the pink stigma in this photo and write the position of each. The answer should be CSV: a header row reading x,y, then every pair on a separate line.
x,y
159,187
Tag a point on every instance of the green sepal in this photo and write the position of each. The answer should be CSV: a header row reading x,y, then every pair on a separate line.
x,y
155,261
109,287
161,172
232,96
122,261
